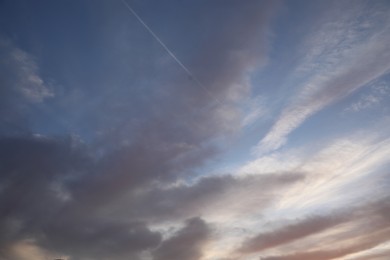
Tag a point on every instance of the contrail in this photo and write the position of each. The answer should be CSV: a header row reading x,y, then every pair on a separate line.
x,y
189,73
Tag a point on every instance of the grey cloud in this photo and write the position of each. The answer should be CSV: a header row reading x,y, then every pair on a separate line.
x,y
223,63
211,195
38,201
59,191
30,167
225,57
174,135
234,50
186,243
55,192
91,238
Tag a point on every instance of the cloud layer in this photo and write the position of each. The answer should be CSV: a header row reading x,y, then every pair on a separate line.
x,y
108,150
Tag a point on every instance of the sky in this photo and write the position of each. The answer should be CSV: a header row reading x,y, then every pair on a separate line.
x,y
194,130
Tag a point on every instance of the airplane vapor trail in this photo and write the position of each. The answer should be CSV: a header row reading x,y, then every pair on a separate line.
x,y
189,73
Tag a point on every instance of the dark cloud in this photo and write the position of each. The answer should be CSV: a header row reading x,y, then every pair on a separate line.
x,y
88,237
55,191
59,191
38,200
186,243
32,172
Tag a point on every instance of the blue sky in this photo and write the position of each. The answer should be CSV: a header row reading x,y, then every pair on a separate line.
x,y
201,130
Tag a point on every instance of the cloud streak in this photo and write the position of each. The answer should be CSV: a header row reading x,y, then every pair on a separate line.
x,y
338,67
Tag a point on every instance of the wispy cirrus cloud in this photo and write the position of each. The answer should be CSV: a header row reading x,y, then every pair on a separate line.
x,y
379,92
343,55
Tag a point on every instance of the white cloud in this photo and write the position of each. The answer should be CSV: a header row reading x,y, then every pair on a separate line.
x,y
341,59
333,169
255,109
378,92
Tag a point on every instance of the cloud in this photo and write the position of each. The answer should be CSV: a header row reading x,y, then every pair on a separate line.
x,y
20,74
58,192
233,51
223,196
376,253
338,234
55,192
25,250
133,165
88,237
36,173
359,245
289,233
256,109
187,243
21,85
342,57
338,207
379,91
